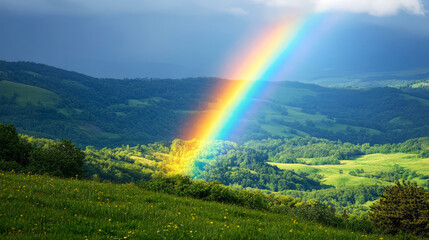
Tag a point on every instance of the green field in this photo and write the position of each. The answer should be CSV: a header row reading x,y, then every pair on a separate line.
x,y
42,207
28,94
369,163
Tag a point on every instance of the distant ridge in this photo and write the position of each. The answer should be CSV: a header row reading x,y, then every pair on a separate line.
x,y
112,112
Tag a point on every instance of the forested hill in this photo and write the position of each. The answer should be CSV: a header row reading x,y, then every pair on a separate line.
x,y
49,102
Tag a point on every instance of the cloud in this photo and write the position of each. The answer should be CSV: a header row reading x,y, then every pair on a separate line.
x,y
235,7
372,7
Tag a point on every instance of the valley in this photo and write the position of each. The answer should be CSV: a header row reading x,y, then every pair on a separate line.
x,y
304,152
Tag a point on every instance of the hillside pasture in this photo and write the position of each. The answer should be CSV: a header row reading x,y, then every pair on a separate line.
x,y
338,175
42,207
28,94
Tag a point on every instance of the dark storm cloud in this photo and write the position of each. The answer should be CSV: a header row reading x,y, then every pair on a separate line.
x,y
186,38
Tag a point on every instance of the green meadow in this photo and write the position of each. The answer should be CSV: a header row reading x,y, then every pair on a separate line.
x,y
338,175
43,207
28,94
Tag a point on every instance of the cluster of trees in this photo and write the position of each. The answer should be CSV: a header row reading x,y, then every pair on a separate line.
x,y
123,164
247,168
397,173
62,159
349,198
323,151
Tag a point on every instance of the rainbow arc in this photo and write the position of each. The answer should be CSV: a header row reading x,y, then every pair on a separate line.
x,y
274,52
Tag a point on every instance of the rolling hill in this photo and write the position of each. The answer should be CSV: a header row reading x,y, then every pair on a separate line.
x,y
35,206
44,101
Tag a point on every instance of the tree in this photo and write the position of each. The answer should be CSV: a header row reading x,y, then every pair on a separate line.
x,y
62,159
12,147
403,207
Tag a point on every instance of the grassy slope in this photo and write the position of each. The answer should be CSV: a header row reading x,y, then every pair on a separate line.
x,y
369,163
35,206
26,93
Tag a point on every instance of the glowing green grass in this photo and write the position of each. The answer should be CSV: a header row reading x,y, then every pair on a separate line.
x,y
369,163
40,207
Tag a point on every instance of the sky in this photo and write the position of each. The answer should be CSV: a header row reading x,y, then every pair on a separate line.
x,y
196,38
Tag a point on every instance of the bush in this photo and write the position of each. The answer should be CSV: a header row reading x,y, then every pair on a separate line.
x,y
313,210
62,159
180,185
402,208
359,224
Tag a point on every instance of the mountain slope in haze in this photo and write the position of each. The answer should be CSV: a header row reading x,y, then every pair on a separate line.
x,y
49,102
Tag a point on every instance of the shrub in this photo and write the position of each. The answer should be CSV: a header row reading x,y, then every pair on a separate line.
x,y
359,224
180,185
313,210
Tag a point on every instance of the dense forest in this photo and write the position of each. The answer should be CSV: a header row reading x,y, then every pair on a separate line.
x,y
52,103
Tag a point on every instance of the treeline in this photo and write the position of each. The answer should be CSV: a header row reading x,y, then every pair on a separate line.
x,y
351,199
123,164
397,173
323,151
62,159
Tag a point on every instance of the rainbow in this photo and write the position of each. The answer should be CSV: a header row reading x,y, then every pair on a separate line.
x,y
272,54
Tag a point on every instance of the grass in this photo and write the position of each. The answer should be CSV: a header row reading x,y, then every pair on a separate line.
x,y
282,131
385,161
41,207
369,163
137,103
26,93
92,130
144,102
70,111
423,101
